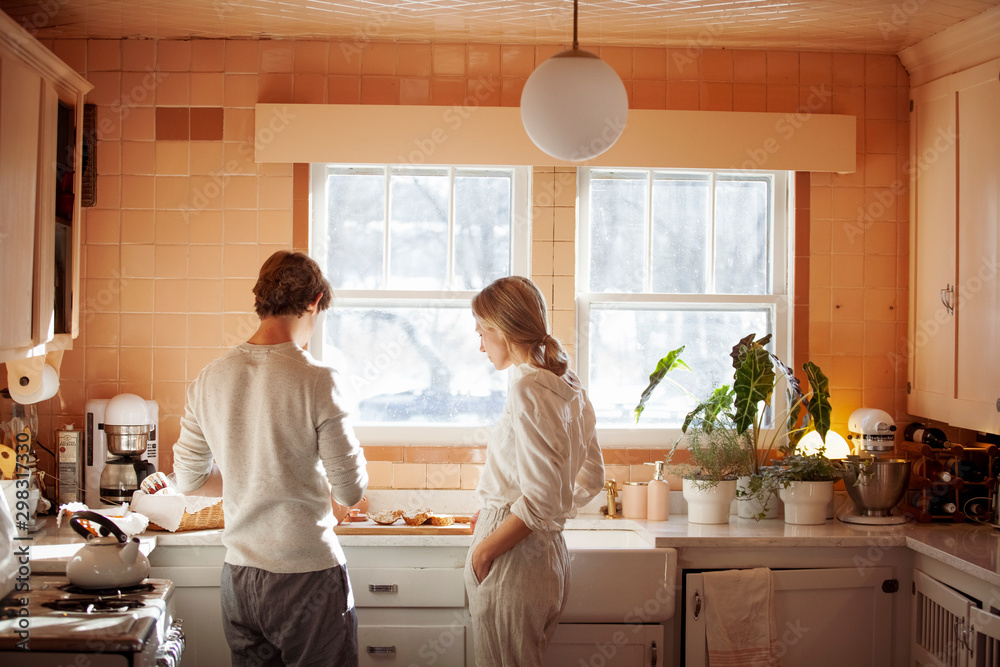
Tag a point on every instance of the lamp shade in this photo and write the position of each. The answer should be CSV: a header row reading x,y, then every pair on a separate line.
x,y
574,106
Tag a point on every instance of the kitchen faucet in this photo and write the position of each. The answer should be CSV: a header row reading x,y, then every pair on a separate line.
x,y
612,490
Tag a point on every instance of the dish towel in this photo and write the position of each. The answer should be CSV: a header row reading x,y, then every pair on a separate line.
x,y
740,626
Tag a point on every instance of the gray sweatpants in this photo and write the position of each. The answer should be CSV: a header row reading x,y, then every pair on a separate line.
x,y
300,619
516,608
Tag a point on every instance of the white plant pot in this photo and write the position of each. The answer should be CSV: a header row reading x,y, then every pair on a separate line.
x,y
709,503
806,502
752,507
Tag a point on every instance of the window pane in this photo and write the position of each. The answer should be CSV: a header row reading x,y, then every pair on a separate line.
x,y
617,231
680,235
418,228
742,240
419,364
355,230
482,227
625,345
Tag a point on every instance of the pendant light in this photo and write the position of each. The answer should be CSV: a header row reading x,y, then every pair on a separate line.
x,y
574,105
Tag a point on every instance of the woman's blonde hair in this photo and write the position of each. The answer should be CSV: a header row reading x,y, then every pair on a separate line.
x,y
515,307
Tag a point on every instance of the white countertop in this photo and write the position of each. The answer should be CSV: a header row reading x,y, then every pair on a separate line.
x,y
968,547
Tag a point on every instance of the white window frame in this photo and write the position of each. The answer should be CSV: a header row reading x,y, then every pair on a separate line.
x,y
779,300
520,249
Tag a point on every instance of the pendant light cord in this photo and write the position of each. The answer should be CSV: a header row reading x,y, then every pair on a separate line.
x,y
576,44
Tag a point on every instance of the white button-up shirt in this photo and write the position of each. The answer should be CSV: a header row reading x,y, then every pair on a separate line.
x,y
542,459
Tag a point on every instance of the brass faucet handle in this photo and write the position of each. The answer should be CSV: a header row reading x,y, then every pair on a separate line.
x,y
612,490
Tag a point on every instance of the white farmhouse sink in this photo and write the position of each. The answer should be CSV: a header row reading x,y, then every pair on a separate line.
x,y
604,539
617,577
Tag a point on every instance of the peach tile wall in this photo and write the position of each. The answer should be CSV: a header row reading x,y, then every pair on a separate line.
x,y
180,227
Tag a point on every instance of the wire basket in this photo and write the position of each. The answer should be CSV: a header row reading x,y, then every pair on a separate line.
x,y
209,518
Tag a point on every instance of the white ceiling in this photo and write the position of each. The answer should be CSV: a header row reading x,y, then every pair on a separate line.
x,y
869,26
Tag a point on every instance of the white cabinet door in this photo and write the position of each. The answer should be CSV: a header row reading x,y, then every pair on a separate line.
x,y
938,624
985,629
825,617
609,645
20,103
977,314
933,135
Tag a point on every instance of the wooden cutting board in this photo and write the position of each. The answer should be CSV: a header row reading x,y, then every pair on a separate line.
x,y
369,527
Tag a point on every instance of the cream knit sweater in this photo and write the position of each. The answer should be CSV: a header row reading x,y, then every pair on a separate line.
x,y
273,420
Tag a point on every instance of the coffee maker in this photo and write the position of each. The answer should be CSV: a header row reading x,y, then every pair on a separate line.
x,y
121,448
875,480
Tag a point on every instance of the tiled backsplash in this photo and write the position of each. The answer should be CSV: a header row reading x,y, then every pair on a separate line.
x,y
173,246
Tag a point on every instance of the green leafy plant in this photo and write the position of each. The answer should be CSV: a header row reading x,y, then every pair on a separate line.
x,y
805,468
738,411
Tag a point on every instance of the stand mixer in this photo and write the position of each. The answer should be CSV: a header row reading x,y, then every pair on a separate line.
x,y
875,481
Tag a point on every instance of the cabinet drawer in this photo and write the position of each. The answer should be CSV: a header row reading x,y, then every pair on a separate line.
x,y
440,645
407,587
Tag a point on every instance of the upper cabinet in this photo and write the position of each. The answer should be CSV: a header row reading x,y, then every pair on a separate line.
x,y
41,164
954,317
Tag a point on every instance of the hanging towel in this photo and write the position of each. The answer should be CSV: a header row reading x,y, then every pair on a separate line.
x,y
740,626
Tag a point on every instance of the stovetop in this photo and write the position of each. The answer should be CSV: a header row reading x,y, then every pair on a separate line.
x,y
56,616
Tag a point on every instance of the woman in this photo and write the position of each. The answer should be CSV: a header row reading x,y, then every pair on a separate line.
x,y
542,462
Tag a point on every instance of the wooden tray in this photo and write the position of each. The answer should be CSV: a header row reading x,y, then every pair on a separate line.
x,y
369,527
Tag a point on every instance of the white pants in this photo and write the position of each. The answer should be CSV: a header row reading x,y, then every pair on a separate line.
x,y
516,608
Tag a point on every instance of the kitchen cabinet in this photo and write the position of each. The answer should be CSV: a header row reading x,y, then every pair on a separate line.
x,y
954,316
411,605
949,628
856,595
811,607
606,644
41,160
196,570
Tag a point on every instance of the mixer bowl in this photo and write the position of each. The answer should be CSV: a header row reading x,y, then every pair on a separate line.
x,y
126,440
876,486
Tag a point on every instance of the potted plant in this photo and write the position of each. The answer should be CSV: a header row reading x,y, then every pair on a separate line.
x,y
737,414
719,453
806,485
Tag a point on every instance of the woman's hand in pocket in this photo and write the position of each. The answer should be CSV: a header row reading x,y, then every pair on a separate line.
x,y
481,563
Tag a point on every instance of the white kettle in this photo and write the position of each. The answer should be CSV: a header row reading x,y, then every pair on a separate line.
x,y
111,560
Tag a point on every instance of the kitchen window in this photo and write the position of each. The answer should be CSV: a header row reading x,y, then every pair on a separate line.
x,y
670,258
405,249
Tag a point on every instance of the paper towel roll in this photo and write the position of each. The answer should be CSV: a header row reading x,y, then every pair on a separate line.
x,y
42,383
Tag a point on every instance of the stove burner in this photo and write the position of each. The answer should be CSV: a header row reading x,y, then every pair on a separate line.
x,y
96,605
104,592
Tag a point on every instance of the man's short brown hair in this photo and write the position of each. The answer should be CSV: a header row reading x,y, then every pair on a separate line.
x,y
288,283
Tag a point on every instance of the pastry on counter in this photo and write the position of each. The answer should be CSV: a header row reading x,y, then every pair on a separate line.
x,y
416,517
441,519
385,517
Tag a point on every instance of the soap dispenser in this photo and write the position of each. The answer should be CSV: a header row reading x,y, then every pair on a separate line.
x,y
658,495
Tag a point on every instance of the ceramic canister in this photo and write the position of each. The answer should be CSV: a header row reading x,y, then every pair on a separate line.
x,y
634,500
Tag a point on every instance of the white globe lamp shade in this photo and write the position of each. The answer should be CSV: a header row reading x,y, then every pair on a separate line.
x,y
574,106
836,446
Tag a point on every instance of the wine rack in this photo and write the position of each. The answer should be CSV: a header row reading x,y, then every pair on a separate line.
x,y
953,484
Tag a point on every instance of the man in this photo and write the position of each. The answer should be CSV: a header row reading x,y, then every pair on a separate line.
x,y
273,421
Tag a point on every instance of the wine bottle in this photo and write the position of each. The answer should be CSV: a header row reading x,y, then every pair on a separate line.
x,y
968,471
933,437
936,505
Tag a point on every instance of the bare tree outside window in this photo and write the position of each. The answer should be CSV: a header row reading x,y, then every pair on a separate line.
x,y
405,249
671,258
